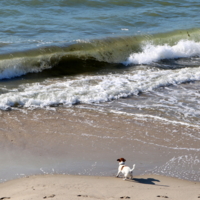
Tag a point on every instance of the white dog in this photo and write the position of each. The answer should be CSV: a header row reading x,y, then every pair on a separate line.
x,y
125,170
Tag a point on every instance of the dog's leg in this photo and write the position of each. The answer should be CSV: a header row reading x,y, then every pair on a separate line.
x,y
118,173
125,176
131,175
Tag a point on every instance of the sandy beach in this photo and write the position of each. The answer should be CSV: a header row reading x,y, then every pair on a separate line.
x,y
58,187
71,154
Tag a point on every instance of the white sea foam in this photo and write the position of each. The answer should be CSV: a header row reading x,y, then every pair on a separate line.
x,y
153,53
185,167
95,89
15,67
124,29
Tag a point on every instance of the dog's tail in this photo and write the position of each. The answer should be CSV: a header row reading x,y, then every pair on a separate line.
x,y
133,168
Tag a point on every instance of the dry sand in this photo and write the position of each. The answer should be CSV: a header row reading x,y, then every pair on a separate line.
x,y
58,187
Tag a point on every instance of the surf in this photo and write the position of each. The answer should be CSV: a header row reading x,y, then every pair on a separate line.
x,y
94,55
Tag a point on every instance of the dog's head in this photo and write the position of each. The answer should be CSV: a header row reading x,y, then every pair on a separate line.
x,y
121,160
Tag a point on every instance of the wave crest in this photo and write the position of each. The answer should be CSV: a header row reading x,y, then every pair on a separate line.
x,y
87,56
153,53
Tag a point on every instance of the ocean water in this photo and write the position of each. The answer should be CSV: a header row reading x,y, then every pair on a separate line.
x,y
92,52
128,56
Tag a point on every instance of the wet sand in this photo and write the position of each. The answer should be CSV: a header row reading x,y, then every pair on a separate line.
x,y
78,141
58,187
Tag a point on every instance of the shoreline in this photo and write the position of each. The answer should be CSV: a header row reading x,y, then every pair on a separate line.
x,y
88,142
58,187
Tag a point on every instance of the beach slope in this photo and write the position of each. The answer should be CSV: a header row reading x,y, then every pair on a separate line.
x,y
58,187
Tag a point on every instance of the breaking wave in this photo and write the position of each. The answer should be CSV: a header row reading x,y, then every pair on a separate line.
x,y
87,56
154,53
96,88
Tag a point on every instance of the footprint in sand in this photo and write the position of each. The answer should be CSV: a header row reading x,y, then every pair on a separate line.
x,y
163,196
82,195
50,196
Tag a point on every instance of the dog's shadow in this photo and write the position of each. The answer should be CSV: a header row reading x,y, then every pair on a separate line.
x,y
150,181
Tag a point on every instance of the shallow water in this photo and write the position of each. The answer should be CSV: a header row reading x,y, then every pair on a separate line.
x,y
83,141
